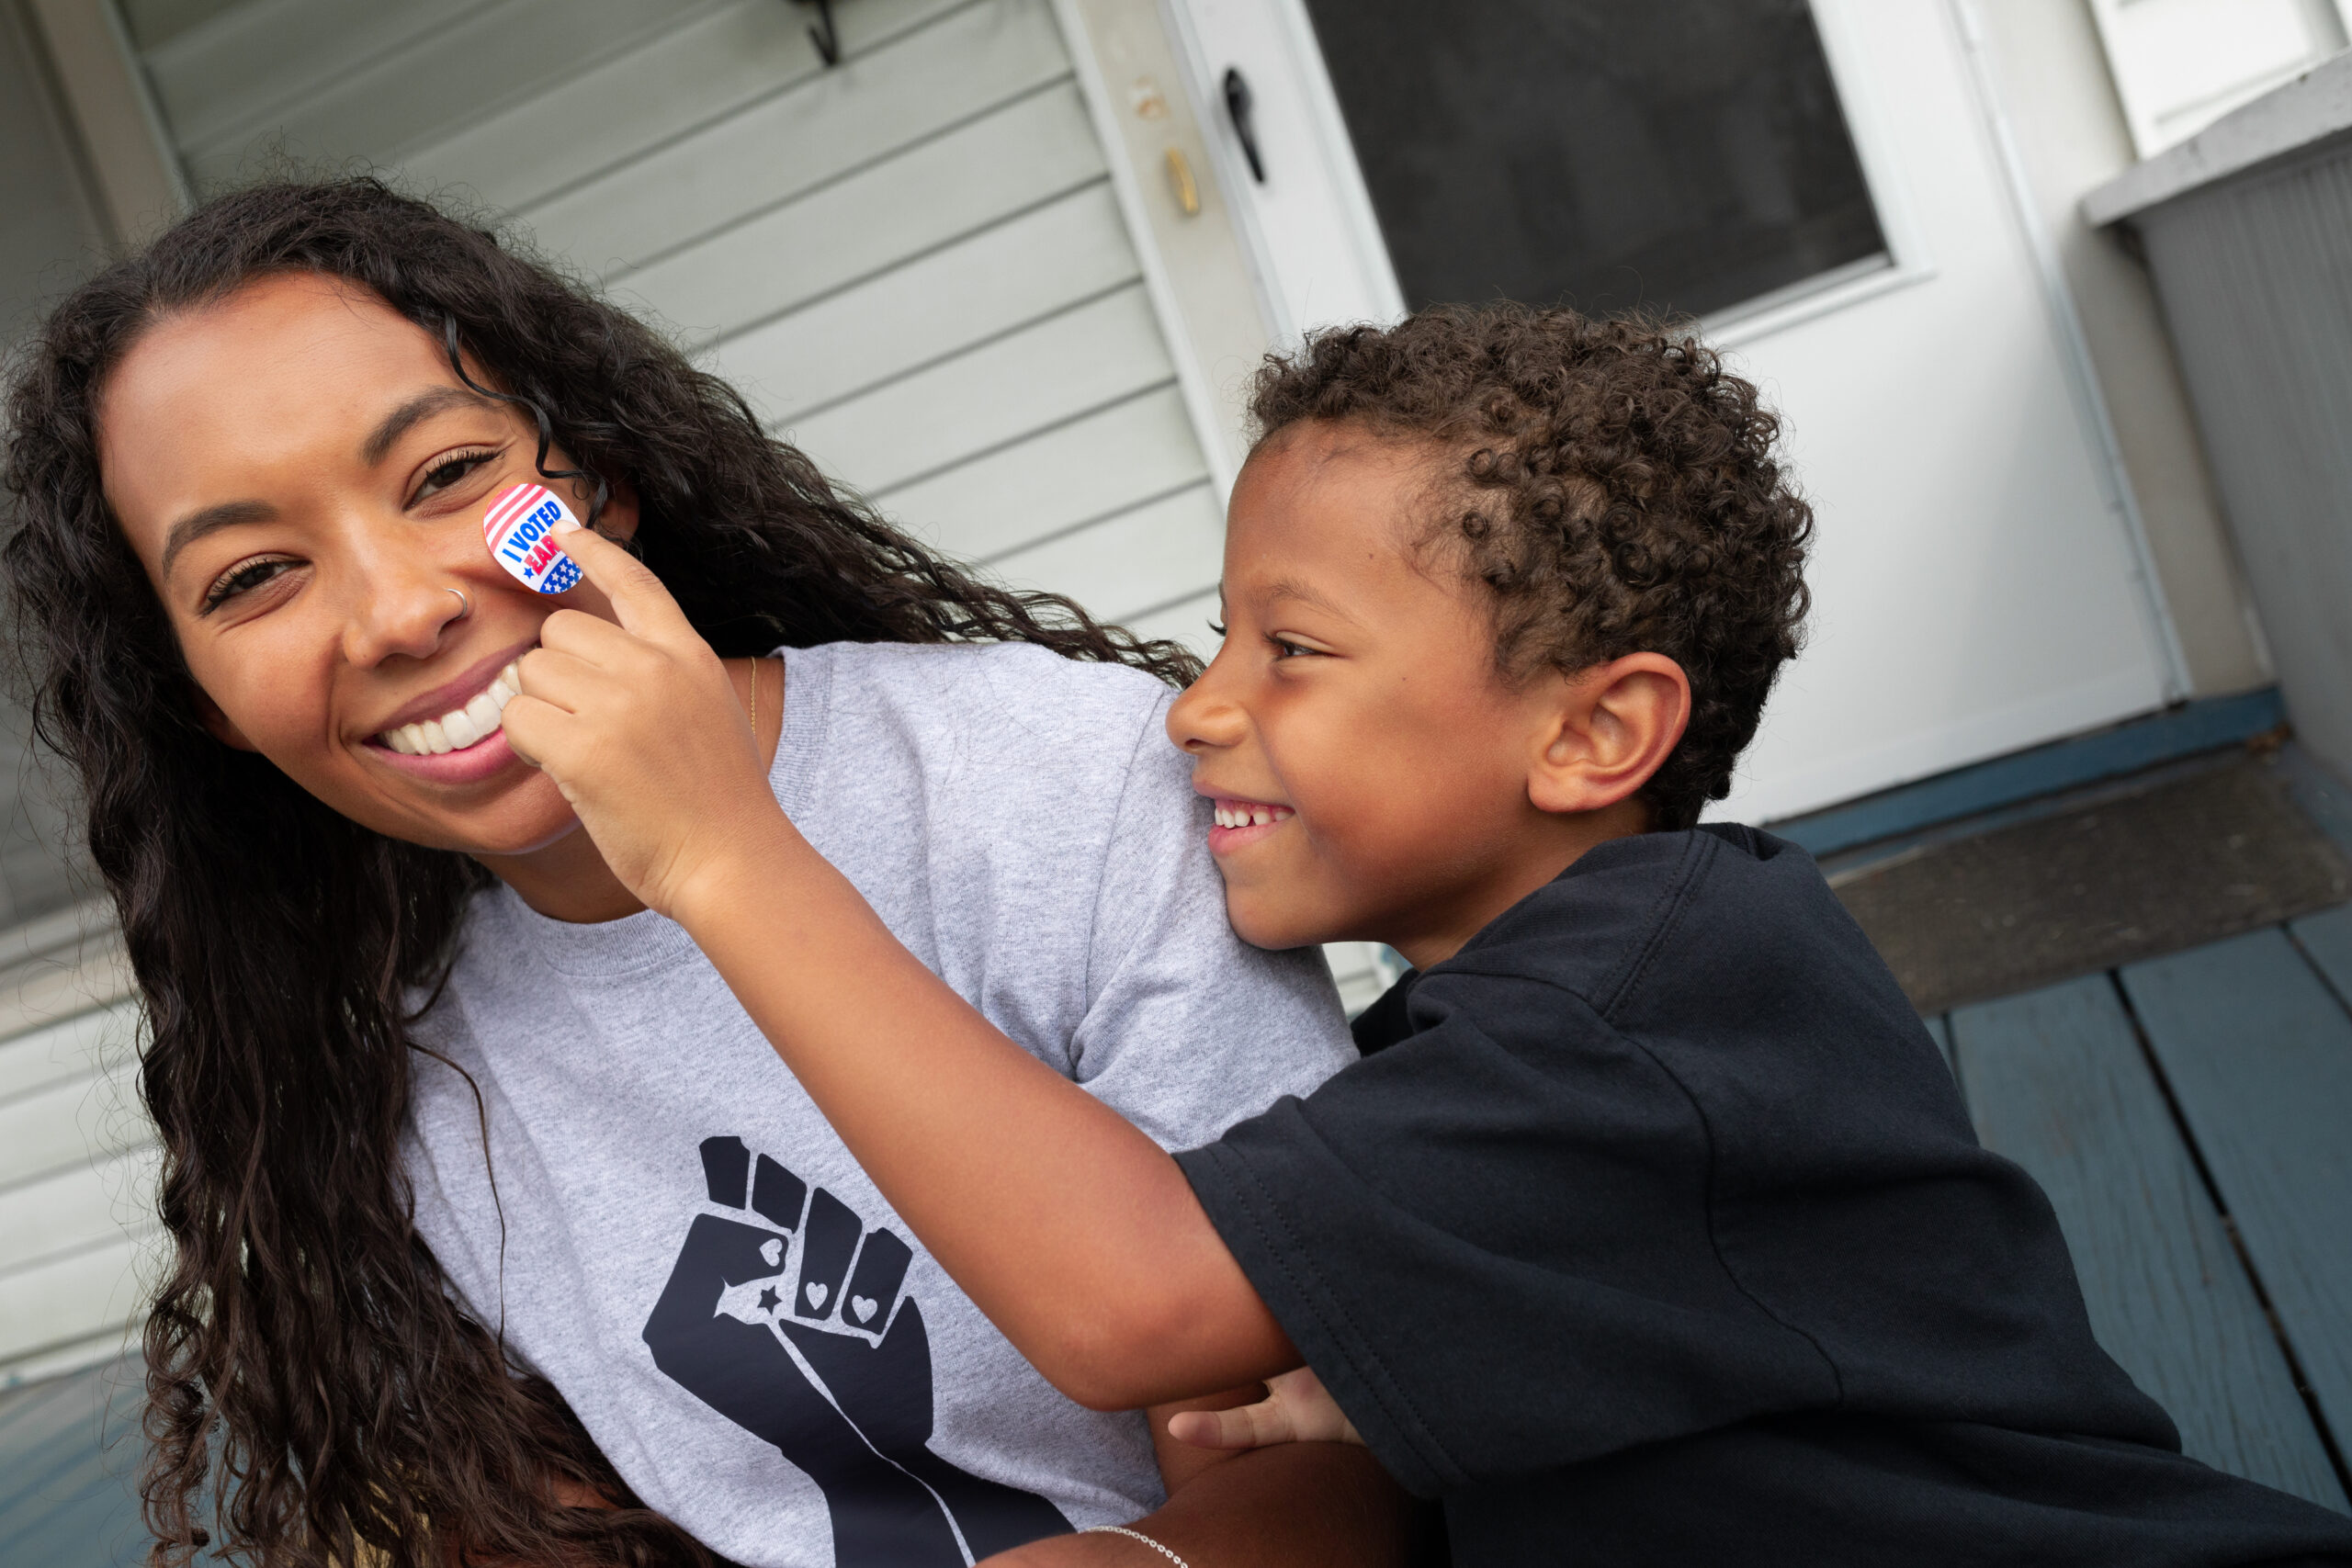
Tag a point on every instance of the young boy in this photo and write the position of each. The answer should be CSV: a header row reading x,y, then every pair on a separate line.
x,y
1650,1228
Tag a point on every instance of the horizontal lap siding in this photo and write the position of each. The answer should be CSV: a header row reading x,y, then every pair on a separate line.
x,y
913,264
77,1159
992,504
931,308
994,394
866,223
693,185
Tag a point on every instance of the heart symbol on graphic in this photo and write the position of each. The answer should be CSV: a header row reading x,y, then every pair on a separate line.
x,y
773,1250
863,1308
816,1295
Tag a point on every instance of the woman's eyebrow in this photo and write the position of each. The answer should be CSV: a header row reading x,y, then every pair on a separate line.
x,y
211,520
391,428
402,420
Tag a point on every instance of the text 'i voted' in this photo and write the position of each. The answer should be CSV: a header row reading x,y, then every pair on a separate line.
x,y
521,530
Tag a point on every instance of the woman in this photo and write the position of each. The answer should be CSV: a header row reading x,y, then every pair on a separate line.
x,y
501,1235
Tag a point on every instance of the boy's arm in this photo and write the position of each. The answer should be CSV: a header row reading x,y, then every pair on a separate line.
x,y
1073,1232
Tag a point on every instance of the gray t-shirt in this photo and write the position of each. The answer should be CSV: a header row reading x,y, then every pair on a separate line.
x,y
676,1238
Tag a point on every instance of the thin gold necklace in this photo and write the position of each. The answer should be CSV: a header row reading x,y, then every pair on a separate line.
x,y
751,668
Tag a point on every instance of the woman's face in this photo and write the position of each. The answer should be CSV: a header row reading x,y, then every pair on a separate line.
x,y
304,478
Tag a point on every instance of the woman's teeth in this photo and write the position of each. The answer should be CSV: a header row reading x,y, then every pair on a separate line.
x,y
1249,814
459,727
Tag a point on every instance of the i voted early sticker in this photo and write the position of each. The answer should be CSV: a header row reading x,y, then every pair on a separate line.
x,y
520,528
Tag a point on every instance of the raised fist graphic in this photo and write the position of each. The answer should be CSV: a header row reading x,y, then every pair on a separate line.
x,y
788,1317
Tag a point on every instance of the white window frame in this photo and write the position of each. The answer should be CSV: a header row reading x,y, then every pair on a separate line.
x,y
1320,257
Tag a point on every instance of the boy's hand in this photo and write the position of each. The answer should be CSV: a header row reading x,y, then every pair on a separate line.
x,y
640,726
1295,1410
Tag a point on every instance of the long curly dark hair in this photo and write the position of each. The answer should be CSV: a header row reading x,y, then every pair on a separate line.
x,y
1611,485
305,1359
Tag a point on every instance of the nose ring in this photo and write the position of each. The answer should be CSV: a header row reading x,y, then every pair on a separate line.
x,y
465,605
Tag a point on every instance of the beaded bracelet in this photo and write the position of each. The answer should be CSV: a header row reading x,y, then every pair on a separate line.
x,y
1135,1534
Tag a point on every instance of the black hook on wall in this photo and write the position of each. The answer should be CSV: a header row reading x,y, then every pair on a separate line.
x,y
1237,109
827,39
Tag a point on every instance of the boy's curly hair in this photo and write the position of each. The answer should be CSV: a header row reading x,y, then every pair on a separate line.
x,y
1608,481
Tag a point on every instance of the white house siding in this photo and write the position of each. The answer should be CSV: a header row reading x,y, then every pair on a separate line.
x,y
77,1157
913,264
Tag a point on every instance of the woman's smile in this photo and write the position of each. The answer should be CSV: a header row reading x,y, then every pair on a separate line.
x,y
454,733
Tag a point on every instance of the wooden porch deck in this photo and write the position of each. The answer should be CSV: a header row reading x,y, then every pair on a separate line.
x,y
2190,1117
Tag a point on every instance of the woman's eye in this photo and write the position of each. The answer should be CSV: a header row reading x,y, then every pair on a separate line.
x,y
449,471
241,579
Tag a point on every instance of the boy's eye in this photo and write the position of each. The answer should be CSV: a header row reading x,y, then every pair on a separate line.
x,y
449,471
1285,649
1217,627
243,578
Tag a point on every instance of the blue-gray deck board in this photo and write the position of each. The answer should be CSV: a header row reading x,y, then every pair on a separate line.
x,y
66,1495
2258,1053
2327,939
2055,1079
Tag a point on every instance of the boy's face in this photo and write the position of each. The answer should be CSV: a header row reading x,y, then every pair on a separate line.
x,y
1354,720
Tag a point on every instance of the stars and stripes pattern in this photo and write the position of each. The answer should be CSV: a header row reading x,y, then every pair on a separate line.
x,y
520,529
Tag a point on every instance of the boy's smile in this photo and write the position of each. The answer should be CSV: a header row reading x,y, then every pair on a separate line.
x,y
1373,773
1242,822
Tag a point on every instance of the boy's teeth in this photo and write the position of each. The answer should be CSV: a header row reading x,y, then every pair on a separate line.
x,y
459,727
1251,815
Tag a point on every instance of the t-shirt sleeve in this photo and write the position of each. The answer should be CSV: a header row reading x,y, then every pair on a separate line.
x,y
1187,1027
1492,1242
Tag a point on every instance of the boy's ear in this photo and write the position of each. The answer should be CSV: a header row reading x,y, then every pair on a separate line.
x,y
1607,731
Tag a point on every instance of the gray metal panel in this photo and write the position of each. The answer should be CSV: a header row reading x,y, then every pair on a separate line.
x,y
2256,278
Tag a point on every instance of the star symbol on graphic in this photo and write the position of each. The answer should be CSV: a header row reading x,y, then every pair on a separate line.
x,y
767,1299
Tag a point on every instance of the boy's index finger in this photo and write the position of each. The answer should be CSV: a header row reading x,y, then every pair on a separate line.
x,y
533,537
639,598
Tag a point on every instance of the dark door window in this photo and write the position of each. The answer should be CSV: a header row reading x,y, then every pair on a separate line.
x,y
1682,156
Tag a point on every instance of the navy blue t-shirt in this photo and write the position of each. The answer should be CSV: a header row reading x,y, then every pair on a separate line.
x,y
1651,1229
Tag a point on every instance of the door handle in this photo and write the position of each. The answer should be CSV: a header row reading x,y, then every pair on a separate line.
x,y
1238,109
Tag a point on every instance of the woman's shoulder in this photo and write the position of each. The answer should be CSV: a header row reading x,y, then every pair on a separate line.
x,y
931,665
1023,695
1016,733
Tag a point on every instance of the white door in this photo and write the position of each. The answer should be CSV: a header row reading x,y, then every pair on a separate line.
x,y
1978,581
